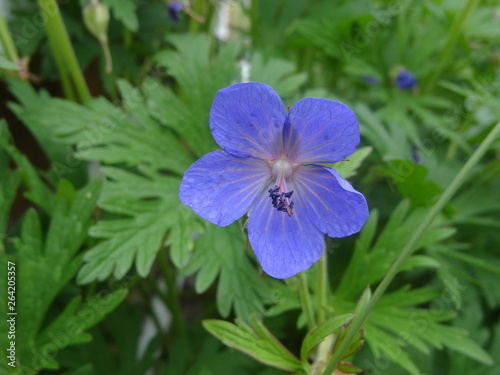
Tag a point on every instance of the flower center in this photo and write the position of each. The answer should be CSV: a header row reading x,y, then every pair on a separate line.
x,y
282,167
279,194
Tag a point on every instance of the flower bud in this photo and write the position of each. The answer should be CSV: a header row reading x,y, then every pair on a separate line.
x,y
96,18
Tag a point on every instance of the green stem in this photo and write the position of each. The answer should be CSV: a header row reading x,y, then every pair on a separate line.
x,y
194,24
452,148
459,179
255,22
305,300
7,42
322,287
58,37
147,300
401,33
453,35
68,89
173,299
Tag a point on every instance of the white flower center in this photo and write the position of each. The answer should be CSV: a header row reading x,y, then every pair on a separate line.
x,y
282,168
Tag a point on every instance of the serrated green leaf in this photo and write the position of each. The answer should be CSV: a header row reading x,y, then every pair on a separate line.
x,y
79,320
239,285
243,338
317,334
397,231
138,237
199,75
277,73
180,239
383,344
53,259
10,182
456,339
37,191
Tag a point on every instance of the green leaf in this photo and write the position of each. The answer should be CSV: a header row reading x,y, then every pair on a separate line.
x,y
44,266
347,168
138,237
181,240
412,184
199,75
239,285
255,341
364,299
138,191
10,182
37,191
7,64
456,339
380,255
277,73
318,334
125,12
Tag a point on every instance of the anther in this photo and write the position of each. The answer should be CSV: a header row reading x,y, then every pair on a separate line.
x,y
281,201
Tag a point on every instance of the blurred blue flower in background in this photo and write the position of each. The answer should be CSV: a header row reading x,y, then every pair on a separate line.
x,y
269,166
415,155
174,8
406,80
370,79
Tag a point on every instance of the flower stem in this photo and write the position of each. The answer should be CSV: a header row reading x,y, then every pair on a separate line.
x,y
61,44
172,297
7,42
459,179
305,300
255,22
197,8
453,35
322,287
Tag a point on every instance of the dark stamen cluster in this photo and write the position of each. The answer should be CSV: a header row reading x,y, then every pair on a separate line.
x,y
278,199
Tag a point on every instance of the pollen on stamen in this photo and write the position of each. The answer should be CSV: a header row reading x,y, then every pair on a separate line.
x,y
281,200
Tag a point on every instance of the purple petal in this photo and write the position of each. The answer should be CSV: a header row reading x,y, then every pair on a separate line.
x,y
320,131
284,245
330,202
247,119
174,8
221,187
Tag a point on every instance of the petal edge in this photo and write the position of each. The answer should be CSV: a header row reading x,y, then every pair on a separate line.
x,y
283,245
246,120
320,131
221,187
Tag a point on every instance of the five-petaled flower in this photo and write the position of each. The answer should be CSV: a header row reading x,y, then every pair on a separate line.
x,y
270,166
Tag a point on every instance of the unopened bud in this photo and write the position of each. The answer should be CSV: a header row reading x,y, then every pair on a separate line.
x,y
96,18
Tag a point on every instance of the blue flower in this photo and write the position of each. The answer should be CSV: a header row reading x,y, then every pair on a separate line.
x,y
174,8
406,80
269,166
